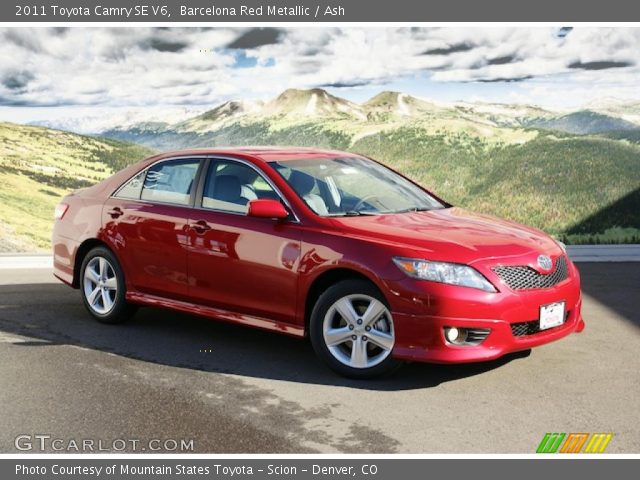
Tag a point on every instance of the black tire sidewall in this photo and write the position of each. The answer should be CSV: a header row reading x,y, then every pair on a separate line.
x,y
120,311
324,302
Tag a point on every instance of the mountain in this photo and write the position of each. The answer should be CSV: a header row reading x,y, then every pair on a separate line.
x,y
224,114
319,113
229,110
504,115
119,119
298,106
396,104
316,117
629,111
38,166
584,122
313,103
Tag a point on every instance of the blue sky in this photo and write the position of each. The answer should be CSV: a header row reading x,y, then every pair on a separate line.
x,y
49,73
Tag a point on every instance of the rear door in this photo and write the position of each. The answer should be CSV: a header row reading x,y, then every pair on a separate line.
x,y
146,222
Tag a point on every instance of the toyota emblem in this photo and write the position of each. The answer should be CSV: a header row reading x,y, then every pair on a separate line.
x,y
544,262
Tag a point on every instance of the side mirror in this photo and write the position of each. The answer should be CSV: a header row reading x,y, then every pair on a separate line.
x,y
267,208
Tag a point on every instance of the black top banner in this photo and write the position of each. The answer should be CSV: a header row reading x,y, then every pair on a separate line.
x,y
259,11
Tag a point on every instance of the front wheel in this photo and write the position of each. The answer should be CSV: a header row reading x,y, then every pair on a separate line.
x,y
352,330
103,288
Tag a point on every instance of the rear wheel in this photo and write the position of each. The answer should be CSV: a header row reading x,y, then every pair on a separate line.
x,y
352,330
103,288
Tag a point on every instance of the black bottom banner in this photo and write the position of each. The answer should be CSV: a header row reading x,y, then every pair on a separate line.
x,y
305,469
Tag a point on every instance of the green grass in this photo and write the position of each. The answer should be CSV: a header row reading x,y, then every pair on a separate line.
x,y
38,166
614,235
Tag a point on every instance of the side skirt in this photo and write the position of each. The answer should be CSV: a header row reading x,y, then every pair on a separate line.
x,y
215,314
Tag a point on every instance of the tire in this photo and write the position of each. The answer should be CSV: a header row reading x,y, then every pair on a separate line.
x,y
102,287
334,325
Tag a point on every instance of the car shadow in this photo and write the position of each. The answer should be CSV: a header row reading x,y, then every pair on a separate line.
x,y
616,285
52,314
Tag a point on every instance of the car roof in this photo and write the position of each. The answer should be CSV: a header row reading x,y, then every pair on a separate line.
x,y
268,154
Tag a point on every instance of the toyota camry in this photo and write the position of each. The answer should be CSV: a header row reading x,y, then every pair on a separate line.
x,y
370,266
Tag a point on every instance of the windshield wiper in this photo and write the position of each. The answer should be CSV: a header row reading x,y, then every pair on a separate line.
x,y
354,213
413,209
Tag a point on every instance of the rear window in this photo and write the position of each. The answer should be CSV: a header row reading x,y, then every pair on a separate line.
x,y
170,181
132,188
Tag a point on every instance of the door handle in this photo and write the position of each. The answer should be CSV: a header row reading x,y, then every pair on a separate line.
x,y
115,212
200,227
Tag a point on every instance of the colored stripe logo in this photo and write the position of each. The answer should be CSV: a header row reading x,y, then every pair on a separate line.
x,y
574,443
598,442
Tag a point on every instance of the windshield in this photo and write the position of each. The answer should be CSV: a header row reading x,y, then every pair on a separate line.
x,y
352,186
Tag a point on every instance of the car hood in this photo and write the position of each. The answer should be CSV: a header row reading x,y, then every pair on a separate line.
x,y
451,234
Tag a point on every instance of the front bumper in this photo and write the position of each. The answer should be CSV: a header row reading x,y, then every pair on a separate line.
x,y
421,310
431,346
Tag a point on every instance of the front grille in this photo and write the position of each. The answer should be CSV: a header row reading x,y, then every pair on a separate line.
x,y
529,328
522,277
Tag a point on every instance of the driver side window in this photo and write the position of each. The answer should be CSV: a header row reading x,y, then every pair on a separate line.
x,y
230,186
308,188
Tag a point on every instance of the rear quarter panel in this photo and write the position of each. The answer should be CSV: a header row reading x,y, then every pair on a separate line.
x,y
82,221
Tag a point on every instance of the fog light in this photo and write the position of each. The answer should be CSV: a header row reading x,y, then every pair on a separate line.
x,y
454,335
451,333
466,336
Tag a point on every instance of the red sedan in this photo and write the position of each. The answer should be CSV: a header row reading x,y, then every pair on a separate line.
x,y
370,266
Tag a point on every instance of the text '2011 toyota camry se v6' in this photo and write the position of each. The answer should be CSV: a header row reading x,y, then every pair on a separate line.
x,y
330,245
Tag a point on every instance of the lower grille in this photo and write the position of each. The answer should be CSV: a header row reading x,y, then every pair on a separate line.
x,y
475,336
525,328
530,328
522,277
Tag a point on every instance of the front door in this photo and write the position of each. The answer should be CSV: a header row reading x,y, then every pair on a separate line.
x,y
239,263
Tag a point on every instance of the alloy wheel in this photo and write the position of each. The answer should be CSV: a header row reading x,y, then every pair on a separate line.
x,y
100,285
358,331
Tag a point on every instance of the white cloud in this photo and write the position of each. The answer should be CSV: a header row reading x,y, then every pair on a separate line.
x,y
192,66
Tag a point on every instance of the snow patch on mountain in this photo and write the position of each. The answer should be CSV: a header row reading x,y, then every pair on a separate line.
x,y
312,104
119,119
403,108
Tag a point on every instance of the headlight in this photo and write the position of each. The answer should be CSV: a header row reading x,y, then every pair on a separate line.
x,y
451,273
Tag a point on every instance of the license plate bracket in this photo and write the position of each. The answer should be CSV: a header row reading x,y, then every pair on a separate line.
x,y
552,315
